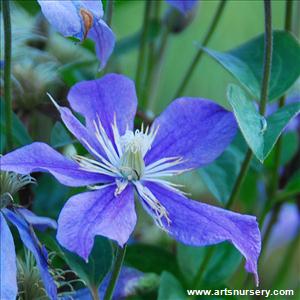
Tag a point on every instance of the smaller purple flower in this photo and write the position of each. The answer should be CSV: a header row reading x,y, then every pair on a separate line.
x,y
190,133
24,221
285,229
184,6
81,19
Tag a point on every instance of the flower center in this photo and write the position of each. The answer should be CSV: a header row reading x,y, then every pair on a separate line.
x,y
134,147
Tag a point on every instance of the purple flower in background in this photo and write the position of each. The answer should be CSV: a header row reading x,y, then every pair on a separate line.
x,y
285,229
184,6
24,220
81,19
190,133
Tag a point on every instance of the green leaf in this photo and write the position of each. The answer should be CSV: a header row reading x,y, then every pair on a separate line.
x,y
245,63
98,265
60,136
261,134
151,259
223,264
170,288
133,41
220,175
20,134
291,189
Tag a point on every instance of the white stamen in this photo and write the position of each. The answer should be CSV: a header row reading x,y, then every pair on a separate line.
x,y
154,204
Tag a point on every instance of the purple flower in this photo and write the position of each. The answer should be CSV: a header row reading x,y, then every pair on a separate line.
x,y
24,221
190,133
184,6
81,19
286,227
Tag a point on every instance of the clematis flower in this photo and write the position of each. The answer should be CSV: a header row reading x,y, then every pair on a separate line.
x,y
24,221
190,133
81,19
184,6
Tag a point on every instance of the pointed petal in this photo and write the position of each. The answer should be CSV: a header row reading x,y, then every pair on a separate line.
x,y
8,268
40,223
104,39
96,213
184,6
31,242
62,15
105,97
83,135
197,130
199,224
39,157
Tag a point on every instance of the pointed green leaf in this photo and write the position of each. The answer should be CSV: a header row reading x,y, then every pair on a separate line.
x,y
60,136
261,134
170,288
148,258
220,175
245,63
99,263
222,265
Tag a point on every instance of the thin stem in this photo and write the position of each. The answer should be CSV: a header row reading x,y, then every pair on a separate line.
x,y
109,11
95,293
240,179
208,256
7,73
142,49
286,262
199,54
153,76
115,272
278,148
264,95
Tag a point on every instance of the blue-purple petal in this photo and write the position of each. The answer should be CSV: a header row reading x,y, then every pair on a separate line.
x,y
197,130
184,6
86,137
198,224
39,157
104,98
30,241
8,268
40,223
104,39
63,16
94,213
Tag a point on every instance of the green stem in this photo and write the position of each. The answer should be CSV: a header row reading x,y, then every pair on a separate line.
x,y
278,148
264,95
208,256
7,73
142,49
153,76
109,11
240,179
115,272
286,262
199,54
95,293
